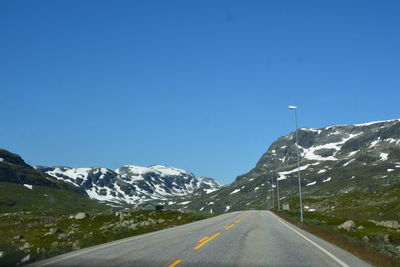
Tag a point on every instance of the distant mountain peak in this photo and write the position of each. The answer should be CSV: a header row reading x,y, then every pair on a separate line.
x,y
132,184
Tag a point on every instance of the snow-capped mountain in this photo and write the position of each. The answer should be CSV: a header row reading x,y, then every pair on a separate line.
x,y
133,184
333,160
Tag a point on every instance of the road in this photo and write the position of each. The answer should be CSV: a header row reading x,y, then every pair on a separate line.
x,y
244,238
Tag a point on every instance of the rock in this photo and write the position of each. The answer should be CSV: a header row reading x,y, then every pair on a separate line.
x,y
81,216
360,227
179,218
386,238
133,226
26,258
54,230
27,246
18,237
145,223
1,254
55,244
88,235
398,249
349,226
63,236
160,221
388,224
365,239
40,250
76,245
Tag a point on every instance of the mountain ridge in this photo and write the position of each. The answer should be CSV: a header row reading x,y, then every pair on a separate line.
x,y
132,184
334,160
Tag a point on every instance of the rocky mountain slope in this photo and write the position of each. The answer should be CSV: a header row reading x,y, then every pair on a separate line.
x,y
334,161
13,169
23,188
132,184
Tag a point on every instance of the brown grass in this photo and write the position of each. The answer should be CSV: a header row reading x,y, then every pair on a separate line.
x,y
373,257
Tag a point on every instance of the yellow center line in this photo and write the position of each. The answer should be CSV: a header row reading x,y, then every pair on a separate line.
x,y
175,263
206,241
237,221
229,226
204,238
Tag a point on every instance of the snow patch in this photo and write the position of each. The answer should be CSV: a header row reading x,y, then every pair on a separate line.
x,y
227,208
234,191
390,170
384,156
327,179
282,175
312,183
28,186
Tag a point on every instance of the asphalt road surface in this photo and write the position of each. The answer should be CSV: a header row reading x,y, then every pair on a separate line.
x,y
244,238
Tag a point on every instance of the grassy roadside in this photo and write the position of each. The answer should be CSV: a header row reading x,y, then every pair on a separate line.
x,y
325,228
26,237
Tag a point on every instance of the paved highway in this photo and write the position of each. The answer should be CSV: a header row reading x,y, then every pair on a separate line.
x,y
245,238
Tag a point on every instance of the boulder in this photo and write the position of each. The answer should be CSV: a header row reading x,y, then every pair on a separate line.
x,y
1,254
54,230
55,244
76,245
390,224
81,216
63,236
365,239
19,237
360,227
349,226
26,246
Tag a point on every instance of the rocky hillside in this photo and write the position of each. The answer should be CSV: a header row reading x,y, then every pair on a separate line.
x,y
334,161
132,184
24,188
13,169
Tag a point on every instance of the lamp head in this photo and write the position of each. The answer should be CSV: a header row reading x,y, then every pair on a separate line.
x,y
292,107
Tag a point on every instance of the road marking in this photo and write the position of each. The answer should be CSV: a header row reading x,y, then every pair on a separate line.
x,y
174,263
204,238
229,226
237,221
206,241
341,263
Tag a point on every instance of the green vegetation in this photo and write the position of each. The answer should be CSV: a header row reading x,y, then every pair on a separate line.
x,y
15,197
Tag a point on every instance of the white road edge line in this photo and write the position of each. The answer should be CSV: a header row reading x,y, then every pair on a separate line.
x,y
312,242
98,247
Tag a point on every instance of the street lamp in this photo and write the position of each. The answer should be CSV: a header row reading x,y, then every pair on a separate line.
x,y
298,164
277,182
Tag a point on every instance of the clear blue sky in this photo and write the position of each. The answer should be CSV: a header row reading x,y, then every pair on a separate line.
x,y
199,85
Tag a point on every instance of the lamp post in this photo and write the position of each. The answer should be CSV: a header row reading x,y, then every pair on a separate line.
x,y
277,183
298,164
272,192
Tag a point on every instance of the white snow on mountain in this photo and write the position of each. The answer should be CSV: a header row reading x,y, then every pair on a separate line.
x,y
133,184
234,191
